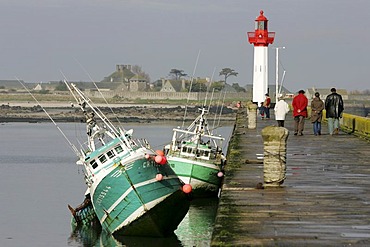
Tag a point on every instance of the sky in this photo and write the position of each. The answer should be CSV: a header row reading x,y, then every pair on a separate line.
x,y
326,41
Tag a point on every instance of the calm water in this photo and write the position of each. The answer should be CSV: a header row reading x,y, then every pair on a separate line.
x,y
39,178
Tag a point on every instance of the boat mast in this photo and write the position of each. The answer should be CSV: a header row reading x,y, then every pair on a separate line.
x,y
94,130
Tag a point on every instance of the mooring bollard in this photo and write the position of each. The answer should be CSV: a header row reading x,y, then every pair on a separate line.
x,y
252,115
274,163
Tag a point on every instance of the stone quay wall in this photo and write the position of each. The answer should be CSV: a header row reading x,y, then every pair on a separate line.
x,y
352,124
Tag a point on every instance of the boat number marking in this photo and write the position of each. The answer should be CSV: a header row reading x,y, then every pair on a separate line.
x,y
146,164
102,194
117,173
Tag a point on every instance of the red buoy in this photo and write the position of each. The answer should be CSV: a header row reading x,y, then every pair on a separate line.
x,y
163,161
220,174
159,177
187,188
158,159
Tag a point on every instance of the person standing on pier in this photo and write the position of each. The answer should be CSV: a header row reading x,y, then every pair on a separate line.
x,y
281,109
299,104
317,105
266,105
334,108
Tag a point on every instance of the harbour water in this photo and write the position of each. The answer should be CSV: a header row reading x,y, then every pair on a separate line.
x,y
39,178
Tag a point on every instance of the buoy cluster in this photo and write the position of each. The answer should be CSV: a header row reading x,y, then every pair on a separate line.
x,y
161,159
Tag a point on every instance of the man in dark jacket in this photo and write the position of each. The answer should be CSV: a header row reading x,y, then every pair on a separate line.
x,y
334,108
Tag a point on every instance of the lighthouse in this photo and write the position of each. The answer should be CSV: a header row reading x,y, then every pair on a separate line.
x,y
260,38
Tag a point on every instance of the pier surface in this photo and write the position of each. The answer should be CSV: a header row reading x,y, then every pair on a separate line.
x,y
324,201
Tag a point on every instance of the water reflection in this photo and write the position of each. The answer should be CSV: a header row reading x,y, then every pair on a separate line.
x,y
195,230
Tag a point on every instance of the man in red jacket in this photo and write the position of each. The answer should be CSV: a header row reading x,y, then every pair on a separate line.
x,y
299,104
266,105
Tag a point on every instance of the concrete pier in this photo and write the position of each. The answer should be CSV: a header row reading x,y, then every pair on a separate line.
x,y
324,201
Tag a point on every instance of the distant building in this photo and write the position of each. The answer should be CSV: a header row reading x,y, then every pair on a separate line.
x,y
173,85
38,87
137,84
124,74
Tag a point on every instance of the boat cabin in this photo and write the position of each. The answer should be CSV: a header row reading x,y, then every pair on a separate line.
x,y
201,151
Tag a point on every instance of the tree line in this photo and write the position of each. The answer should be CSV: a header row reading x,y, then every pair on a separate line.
x,y
200,86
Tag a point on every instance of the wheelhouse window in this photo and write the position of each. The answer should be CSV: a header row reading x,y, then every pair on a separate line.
x,y
93,164
118,149
110,154
102,158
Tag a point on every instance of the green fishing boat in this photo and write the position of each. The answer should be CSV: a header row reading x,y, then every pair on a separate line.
x,y
133,190
196,156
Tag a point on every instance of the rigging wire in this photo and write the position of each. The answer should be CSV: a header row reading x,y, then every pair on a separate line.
x,y
73,147
222,106
210,83
101,94
191,84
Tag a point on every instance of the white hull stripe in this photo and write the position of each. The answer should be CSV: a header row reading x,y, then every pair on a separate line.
x,y
193,162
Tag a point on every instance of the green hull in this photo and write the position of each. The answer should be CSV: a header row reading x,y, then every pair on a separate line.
x,y
160,221
130,201
200,175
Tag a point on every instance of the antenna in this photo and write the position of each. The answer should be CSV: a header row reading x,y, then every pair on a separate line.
x,y
191,84
282,80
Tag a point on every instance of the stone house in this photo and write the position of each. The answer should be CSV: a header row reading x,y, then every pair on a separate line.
x,y
131,81
173,85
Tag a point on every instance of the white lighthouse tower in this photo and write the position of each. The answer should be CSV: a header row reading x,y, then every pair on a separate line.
x,y
260,38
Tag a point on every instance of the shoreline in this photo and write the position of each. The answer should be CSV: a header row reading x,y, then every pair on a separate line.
x,y
62,112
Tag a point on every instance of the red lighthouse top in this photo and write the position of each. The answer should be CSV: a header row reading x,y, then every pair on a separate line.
x,y
261,36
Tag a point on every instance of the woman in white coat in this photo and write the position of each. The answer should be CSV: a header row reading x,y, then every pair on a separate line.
x,y
281,109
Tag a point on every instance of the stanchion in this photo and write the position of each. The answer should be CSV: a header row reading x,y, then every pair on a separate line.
x,y
252,115
274,163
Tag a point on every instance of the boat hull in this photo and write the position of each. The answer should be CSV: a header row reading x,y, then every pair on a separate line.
x,y
161,220
129,200
202,176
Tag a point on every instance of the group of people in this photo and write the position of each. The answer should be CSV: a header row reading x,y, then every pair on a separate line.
x,y
333,105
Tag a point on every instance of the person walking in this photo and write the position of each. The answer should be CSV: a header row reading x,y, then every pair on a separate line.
x,y
281,109
262,111
334,108
299,104
266,105
317,105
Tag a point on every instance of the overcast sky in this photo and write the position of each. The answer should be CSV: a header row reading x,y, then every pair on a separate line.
x,y
327,41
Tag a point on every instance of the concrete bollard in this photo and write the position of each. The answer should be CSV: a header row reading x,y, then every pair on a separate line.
x,y
252,115
274,163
